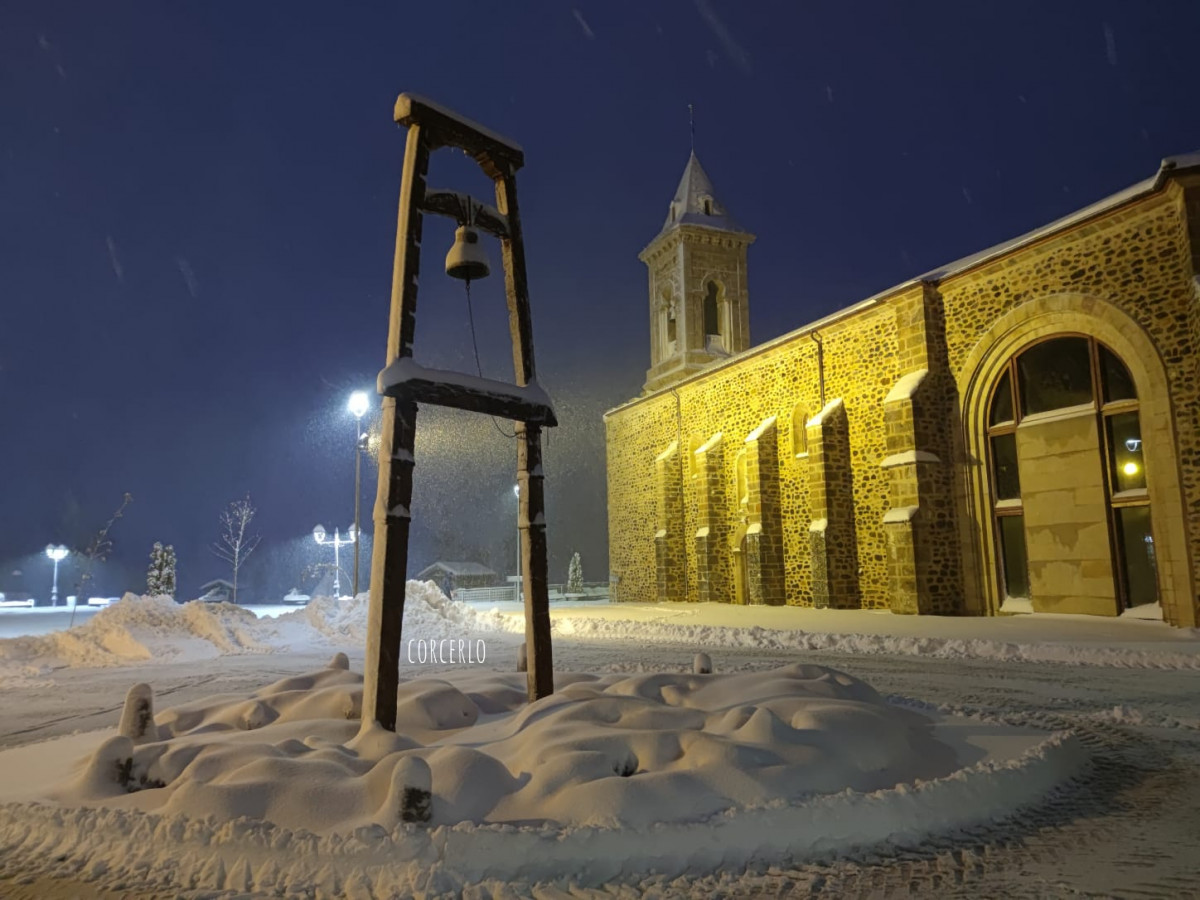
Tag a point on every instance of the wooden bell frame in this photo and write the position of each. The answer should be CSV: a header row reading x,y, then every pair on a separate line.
x,y
404,384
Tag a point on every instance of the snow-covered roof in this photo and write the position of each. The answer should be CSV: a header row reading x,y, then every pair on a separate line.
x,y
1142,188
456,568
695,202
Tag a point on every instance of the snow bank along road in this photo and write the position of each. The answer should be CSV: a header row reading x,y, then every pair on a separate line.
x,y
1127,827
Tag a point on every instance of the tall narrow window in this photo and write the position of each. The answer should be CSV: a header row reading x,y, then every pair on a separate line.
x,y
668,303
800,430
1130,499
695,442
712,324
1007,509
742,478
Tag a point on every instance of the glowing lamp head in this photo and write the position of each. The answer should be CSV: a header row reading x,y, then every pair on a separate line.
x,y
319,533
358,403
56,552
1130,468
516,490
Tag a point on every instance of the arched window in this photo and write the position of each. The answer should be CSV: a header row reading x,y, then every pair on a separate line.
x,y
742,479
695,442
800,430
668,306
1066,373
712,318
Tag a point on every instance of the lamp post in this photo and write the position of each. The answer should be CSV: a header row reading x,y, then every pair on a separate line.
x,y
338,542
56,553
358,406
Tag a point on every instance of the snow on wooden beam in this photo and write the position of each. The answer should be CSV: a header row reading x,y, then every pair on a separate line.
x,y
528,403
454,130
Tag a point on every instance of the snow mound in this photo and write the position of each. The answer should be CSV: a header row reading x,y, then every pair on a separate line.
x,y
608,778
610,751
427,613
141,628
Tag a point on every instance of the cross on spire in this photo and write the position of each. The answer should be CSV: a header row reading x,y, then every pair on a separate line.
x,y
692,126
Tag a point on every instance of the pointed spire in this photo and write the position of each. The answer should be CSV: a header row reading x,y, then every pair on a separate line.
x,y
695,202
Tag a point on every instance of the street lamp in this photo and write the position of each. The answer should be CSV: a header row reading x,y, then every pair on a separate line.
x,y
358,406
56,553
338,542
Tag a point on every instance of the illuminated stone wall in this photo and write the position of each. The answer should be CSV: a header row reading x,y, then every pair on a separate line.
x,y
883,501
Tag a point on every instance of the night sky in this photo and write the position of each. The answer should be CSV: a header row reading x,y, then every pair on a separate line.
x,y
198,211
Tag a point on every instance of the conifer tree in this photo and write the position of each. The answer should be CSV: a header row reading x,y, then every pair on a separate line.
x,y
575,576
168,577
160,577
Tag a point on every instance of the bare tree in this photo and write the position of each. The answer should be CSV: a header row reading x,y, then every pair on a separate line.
x,y
235,546
97,551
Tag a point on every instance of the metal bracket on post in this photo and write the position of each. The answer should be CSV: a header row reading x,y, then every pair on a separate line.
x,y
404,384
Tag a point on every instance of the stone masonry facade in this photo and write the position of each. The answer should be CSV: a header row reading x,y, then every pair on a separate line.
x,y
845,464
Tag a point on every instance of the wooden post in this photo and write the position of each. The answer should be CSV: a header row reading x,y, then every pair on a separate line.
x,y
532,517
393,500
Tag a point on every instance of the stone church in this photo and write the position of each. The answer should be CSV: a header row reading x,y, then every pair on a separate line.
x,y
1017,431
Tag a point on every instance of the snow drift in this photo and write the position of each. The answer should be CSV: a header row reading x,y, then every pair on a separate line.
x,y
141,628
610,776
138,629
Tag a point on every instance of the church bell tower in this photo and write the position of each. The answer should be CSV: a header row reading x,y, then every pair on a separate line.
x,y
699,312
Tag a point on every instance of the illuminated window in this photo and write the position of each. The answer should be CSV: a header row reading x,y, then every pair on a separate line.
x,y
1063,372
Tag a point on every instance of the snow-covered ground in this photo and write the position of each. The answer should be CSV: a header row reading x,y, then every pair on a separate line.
x,y
1055,754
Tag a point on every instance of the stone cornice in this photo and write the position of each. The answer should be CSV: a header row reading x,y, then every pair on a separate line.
x,y
693,234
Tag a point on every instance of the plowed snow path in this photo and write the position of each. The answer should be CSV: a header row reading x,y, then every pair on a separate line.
x,y
1128,828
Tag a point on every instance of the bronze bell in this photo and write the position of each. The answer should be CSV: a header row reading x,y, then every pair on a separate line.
x,y
466,258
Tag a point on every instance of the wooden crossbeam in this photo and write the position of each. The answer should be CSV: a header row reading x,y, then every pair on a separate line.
x,y
453,204
404,379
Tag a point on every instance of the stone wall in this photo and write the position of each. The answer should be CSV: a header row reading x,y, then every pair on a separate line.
x,y
734,400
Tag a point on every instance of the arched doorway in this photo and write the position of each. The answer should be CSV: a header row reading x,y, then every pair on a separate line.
x,y
1068,497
